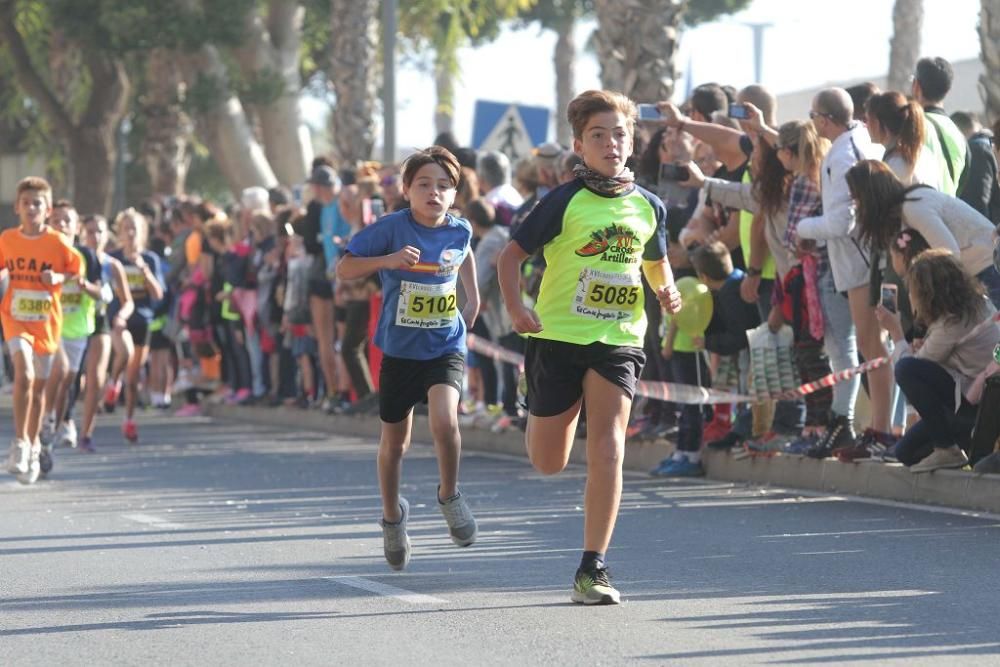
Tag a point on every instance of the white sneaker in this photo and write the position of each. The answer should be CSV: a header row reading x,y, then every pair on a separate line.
x,y
34,470
48,433
20,455
67,434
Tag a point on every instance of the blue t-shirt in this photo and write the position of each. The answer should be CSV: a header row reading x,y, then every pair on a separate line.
x,y
332,224
420,316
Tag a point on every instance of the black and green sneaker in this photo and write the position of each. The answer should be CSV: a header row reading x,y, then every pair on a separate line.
x,y
593,586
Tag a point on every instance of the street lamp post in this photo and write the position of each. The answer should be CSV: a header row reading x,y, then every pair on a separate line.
x,y
758,48
389,81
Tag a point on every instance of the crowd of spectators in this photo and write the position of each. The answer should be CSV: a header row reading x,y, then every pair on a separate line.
x,y
867,228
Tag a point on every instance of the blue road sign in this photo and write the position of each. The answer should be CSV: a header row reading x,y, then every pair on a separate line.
x,y
489,115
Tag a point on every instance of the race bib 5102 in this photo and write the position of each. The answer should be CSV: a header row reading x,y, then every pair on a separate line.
x,y
426,306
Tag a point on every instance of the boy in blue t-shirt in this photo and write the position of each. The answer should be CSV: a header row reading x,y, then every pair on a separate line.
x,y
419,253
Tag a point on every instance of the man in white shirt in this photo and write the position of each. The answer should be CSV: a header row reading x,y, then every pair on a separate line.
x,y
832,113
493,170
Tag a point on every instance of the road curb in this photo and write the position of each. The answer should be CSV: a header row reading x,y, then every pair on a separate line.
x,y
892,481
888,481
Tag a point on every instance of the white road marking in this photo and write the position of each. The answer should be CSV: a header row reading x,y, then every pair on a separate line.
x,y
155,521
388,591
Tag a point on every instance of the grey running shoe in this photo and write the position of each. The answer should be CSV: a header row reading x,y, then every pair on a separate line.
x,y
461,523
20,455
45,460
34,465
395,541
48,432
593,586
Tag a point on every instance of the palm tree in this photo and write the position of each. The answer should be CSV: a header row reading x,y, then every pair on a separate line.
x,y
989,38
561,16
445,26
636,41
904,47
168,128
353,26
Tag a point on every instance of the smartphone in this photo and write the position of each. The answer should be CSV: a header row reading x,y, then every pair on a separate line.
x,y
738,111
890,298
674,172
649,112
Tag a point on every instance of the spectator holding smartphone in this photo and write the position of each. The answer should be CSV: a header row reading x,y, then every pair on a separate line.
x,y
832,114
961,336
884,206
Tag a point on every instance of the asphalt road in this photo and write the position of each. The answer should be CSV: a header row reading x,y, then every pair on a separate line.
x,y
232,544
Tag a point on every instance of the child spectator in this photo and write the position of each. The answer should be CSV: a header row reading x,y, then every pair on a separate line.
x,y
296,321
234,268
791,307
731,315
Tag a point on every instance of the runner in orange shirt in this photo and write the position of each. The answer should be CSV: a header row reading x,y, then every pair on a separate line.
x,y
37,260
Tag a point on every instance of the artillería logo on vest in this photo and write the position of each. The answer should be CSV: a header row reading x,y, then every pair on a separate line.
x,y
616,244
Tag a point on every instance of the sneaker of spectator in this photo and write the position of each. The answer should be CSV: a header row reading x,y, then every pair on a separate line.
x,y
802,444
726,443
188,410
988,465
871,445
768,445
940,459
839,434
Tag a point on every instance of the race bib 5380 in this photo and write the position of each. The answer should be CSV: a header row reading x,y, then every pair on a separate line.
x,y
30,305
426,306
607,296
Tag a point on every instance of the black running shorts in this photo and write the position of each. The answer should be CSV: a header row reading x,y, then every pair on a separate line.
x,y
405,382
555,371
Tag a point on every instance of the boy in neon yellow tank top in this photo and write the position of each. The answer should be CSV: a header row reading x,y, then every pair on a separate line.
x,y
600,234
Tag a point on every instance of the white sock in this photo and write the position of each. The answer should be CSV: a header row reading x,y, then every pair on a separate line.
x,y
693,457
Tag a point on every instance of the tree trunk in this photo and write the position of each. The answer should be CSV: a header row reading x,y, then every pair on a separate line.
x,y
168,128
904,47
273,49
444,90
989,39
636,42
93,155
223,126
564,59
90,138
353,26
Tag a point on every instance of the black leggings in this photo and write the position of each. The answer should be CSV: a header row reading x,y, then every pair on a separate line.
x,y
354,347
514,343
235,358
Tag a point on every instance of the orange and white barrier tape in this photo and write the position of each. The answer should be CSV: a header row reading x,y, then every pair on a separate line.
x,y
685,393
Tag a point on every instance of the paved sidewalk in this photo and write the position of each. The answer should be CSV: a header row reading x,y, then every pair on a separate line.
x,y
950,488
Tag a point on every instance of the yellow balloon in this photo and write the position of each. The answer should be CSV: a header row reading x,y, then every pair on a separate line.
x,y
696,308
